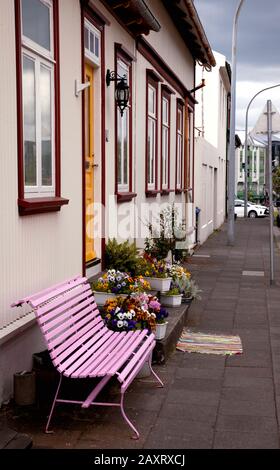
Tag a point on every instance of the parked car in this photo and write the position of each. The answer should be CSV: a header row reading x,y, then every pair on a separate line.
x,y
253,210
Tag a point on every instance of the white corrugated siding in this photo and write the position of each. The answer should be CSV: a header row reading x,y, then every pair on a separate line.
x,y
38,250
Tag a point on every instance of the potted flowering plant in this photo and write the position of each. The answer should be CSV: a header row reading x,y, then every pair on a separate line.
x,y
114,283
155,308
128,314
155,272
172,298
188,288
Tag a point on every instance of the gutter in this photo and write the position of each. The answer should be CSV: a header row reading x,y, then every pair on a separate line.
x,y
201,33
143,9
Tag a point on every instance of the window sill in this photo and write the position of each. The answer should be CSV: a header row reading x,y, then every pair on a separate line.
x,y
152,193
125,197
40,205
166,192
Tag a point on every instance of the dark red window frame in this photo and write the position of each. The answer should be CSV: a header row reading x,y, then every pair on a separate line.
x,y
180,107
41,204
124,196
153,79
166,92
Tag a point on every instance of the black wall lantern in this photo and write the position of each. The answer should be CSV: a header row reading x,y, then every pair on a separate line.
x,y
122,92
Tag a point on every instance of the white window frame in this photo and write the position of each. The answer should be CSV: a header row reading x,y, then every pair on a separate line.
x,y
88,53
152,117
32,45
124,187
180,148
165,129
38,55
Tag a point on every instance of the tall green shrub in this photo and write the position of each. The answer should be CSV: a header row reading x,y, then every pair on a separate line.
x,y
121,256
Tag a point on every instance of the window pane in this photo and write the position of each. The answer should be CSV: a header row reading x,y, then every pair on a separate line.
x,y
86,37
29,123
165,111
119,147
96,46
36,22
125,149
151,151
91,46
164,155
46,126
151,98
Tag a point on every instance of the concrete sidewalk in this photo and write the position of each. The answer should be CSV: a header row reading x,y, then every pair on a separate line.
x,y
209,401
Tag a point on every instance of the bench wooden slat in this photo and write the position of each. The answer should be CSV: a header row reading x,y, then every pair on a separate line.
x,y
93,352
72,312
136,358
74,321
63,301
73,329
52,292
78,336
98,331
112,365
81,349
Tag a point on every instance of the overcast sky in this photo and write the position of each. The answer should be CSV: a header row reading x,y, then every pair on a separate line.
x,y
258,49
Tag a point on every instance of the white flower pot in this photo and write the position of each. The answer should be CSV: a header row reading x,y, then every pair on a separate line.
x,y
102,297
159,283
170,300
161,330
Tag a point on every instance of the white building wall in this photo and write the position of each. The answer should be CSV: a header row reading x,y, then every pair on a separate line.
x,y
38,250
132,216
211,147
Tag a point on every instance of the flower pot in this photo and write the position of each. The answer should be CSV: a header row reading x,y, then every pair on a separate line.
x,y
170,300
159,283
24,388
161,330
102,297
187,300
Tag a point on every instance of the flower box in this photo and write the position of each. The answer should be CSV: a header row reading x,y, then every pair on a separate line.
x,y
102,297
187,300
159,283
161,330
171,300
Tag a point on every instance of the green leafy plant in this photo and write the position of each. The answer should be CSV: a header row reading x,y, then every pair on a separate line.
x,y
173,291
121,256
164,234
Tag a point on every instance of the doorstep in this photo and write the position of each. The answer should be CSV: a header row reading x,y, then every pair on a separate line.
x,y
177,319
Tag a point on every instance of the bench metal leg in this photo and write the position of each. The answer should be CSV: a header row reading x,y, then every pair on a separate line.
x,y
53,405
154,374
136,436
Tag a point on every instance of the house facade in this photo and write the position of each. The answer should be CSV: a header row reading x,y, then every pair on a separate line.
x,y
84,159
211,144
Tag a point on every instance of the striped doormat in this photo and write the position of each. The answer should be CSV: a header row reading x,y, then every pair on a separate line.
x,y
208,343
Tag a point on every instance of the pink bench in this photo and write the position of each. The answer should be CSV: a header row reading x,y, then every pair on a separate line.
x,y
81,345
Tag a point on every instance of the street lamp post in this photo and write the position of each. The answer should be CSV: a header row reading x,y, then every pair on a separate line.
x,y
271,208
231,168
246,147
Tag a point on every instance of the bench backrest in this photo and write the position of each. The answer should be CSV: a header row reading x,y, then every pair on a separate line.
x,y
68,318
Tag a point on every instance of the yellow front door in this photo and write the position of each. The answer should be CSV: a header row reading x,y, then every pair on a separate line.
x,y
89,165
